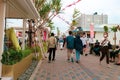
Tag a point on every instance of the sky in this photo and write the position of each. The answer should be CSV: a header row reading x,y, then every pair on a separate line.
x,y
109,7
14,23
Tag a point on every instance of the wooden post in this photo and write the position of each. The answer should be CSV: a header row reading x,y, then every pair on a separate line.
x,y
23,35
30,32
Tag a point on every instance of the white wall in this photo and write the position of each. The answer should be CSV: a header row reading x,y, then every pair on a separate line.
x,y
2,25
99,37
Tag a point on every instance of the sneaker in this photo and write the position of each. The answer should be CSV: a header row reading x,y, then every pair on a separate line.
x,y
86,54
53,59
68,60
77,61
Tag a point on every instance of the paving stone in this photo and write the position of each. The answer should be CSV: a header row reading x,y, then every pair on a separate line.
x,y
27,74
87,69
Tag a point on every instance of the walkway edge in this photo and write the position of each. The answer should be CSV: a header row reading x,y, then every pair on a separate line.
x,y
35,71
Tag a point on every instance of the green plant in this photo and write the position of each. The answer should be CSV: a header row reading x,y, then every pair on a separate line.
x,y
45,46
36,49
11,57
105,28
114,29
26,52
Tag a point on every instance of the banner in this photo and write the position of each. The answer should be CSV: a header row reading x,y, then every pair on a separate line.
x,y
91,30
71,4
65,8
63,19
44,35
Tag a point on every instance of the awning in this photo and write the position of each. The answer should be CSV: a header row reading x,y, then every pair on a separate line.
x,y
21,9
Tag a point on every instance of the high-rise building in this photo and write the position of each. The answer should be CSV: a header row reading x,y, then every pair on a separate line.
x,y
85,20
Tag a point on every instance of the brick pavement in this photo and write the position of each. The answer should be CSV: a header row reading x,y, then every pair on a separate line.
x,y
88,69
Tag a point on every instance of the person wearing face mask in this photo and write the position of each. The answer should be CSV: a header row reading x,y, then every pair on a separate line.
x,y
105,49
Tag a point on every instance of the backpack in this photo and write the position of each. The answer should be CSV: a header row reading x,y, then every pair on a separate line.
x,y
52,42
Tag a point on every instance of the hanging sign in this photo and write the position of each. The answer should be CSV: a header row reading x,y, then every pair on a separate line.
x,y
91,30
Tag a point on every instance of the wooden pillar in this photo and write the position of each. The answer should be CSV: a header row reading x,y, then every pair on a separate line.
x,y
24,29
2,26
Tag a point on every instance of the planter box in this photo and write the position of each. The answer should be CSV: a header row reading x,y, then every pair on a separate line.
x,y
17,69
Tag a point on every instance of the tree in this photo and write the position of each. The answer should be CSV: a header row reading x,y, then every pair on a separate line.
x,y
75,15
58,31
50,24
118,27
114,29
106,29
47,9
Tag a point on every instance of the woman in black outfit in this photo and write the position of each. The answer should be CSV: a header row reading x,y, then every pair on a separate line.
x,y
105,49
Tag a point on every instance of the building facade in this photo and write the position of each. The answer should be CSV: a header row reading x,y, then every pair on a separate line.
x,y
98,21
85,20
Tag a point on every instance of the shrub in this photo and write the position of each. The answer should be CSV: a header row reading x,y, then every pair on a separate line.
x,y
11,57
26,52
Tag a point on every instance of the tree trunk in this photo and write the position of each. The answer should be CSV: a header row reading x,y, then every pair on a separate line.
x,y
115,39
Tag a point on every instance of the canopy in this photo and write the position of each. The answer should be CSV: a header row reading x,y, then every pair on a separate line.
x,y
21,9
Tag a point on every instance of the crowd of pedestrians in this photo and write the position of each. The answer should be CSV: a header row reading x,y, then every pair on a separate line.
x,y
78,44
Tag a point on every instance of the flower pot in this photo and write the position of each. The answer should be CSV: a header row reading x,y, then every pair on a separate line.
x,y
17,69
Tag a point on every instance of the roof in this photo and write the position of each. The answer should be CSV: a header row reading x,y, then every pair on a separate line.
x,y
21,9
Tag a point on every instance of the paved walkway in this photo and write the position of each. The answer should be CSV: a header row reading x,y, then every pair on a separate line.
x,y
88,69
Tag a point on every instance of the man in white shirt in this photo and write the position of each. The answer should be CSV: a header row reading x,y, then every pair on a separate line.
x,y
84,41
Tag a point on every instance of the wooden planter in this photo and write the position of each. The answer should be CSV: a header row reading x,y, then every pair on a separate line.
x,y
17,69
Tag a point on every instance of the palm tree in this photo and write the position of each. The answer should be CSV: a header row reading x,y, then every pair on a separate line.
x,y
39,3
114,29
47,9
106,29
58,31
50,24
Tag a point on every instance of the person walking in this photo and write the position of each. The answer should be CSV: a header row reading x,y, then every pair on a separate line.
x,y
78,47
64,38
52,45
105,49
84,41
61,41
69,45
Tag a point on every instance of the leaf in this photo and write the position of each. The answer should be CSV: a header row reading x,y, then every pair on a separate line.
x,y
105,28
114,29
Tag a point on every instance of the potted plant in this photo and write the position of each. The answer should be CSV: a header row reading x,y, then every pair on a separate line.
x,y
14,62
